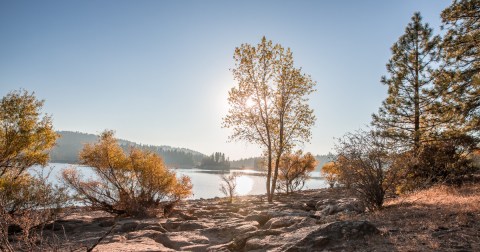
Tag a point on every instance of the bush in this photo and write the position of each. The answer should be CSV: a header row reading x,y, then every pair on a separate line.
x,y
294,170
26,204
448,161
368,165
228,185
130,184
331,173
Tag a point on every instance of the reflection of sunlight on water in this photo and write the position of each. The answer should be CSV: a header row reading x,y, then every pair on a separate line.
x,y
244,185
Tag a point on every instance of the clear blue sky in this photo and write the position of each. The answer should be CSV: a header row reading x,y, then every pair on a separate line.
x,y
157,72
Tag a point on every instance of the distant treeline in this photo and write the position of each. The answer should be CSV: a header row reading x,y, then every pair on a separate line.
x,y
69,145
256,162
216,161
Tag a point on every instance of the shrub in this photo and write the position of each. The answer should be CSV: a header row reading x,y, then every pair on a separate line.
x,y
448,161
26,204
126,183
367,163
294,170
228,185
331,173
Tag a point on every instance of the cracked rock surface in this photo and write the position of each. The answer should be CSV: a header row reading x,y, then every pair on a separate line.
x,y
296,222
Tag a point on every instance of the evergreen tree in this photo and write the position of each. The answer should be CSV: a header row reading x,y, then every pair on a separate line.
x,y
406,114
458,80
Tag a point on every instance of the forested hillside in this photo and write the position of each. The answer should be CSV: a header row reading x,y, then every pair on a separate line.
x,y
70,143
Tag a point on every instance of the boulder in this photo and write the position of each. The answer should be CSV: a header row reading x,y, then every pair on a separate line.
x,y
138,244
178,240
245,228
330,207
106,223
127,227
59,225
284,221
260,217
239,242
340,234
322,203
143,233
185,226
155,227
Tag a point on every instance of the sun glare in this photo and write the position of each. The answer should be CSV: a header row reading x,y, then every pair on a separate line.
x,y
250,102
244,185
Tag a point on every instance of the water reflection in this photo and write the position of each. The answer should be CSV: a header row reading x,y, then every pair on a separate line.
x,y
206,183
244,185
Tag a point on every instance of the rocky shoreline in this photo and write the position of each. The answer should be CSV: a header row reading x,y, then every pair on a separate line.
x,y
315,220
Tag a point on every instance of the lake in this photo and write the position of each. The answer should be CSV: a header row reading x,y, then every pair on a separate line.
x,y
206,183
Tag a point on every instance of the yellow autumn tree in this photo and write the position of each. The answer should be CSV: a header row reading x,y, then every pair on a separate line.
x,y
26,134
331,173
294,170
126,183
26,201
269,106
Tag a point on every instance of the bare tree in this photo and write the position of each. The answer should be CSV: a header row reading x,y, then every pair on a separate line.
x,y
228,185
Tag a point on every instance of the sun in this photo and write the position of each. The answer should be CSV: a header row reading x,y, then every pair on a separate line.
x,y
244,185
250,102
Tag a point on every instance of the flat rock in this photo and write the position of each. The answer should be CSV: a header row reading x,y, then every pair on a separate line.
x,y
284,221
188,226
260,217
128,226
138,244
177,240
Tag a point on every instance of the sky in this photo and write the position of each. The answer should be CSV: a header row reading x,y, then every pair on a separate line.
x,y
158,72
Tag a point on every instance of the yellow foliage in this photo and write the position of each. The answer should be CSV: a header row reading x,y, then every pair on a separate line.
x,y
331,173
128,183
25,136
294,170
269,106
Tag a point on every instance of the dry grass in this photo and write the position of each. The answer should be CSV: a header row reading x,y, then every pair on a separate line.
x,y
441,218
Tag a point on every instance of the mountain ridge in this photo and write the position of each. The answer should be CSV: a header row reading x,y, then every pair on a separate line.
x,y
70,143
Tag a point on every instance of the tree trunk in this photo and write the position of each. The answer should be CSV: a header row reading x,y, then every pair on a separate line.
x,y
269,174
416,140
279,155
274,180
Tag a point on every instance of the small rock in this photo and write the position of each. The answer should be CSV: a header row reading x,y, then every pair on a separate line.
x,y
150,226
128,227
106,223
284,221
261,218
320,241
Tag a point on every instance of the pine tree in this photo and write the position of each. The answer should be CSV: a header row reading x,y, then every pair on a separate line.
x,y
458,80
406,114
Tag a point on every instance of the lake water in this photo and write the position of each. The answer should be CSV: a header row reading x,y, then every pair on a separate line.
x,y
206,183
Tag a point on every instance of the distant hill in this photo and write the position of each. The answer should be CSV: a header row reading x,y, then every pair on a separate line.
x,y
70,143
